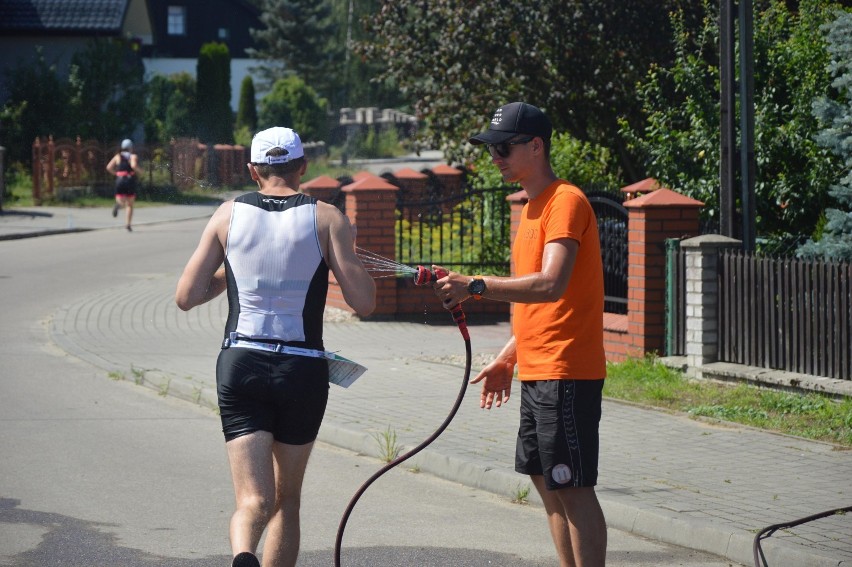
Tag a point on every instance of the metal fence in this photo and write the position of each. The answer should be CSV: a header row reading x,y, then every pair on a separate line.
x,y
468,231
612,231
786,314
471,231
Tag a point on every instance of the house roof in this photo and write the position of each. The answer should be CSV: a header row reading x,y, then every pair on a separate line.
x,y
79,16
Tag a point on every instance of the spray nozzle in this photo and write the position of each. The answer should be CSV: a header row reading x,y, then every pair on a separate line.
x,y
425,276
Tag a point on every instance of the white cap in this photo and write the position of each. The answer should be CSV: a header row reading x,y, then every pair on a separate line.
x,y
127,144
277,137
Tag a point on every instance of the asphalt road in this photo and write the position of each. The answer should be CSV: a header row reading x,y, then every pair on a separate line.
x,y
102,472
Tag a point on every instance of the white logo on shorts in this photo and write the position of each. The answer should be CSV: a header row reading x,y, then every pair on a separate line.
x,y
561,474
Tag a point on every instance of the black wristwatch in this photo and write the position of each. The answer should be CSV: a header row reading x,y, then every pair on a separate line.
x,y
476,287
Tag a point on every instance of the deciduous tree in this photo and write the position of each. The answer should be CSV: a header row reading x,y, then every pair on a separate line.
x,y
294,104
679,140
579,61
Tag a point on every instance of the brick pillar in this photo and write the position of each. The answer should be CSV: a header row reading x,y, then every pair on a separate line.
x,y
414,185
371,208
702,296
652,219
450,180
324,188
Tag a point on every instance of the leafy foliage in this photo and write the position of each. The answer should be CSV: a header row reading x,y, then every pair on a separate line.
x,y
170,108
579,61
313,39
679,140
106,89
103,97
836,135
294,104
37,106
297,34
582,163
247,109
680,137
213,94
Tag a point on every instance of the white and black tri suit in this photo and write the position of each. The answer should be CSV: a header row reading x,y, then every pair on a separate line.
x,y
277,284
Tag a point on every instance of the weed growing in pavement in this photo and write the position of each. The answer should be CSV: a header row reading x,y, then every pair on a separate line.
x,y
389,448
115,375
138,375
164,387
521,494
809,415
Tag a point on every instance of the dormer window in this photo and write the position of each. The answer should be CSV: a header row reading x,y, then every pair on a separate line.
x,y
176,21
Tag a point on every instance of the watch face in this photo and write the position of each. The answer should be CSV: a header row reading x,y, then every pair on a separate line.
x,y
476,287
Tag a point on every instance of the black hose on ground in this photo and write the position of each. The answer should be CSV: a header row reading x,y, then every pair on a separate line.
x,y
459,317
760,559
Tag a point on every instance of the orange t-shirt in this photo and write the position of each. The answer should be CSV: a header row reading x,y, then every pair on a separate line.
x,y
562,339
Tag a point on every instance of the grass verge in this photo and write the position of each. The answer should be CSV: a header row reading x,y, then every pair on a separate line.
x,y
809,415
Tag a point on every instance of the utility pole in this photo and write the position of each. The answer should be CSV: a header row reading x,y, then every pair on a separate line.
x,y
747,162
732,169
727,126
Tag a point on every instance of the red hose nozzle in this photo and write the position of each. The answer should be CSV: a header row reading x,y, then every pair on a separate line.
x,y
425,276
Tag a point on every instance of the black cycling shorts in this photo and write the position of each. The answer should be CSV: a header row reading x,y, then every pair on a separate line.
x,y
266,391
558,435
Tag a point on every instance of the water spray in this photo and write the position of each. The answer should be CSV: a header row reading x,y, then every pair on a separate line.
x,y
422,276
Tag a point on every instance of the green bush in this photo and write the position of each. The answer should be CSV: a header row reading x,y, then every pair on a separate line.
x,y
213,96
294,104
581,163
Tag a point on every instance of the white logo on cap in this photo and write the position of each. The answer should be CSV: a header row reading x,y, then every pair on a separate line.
x,y
561,474
498,116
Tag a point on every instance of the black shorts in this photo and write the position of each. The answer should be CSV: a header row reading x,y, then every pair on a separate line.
x,y
266,391
125,185
558,435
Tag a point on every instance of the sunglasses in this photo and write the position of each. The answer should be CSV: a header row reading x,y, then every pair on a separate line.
x,y
503,149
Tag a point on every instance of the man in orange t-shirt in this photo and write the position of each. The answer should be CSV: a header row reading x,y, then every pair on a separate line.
x,y
557,326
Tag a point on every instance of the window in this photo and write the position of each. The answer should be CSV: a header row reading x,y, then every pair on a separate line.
x,y
176,21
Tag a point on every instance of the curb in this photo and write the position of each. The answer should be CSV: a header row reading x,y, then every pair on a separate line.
x,y
20,235
649,523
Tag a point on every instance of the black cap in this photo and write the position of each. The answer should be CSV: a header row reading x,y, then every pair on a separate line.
x,y
512,119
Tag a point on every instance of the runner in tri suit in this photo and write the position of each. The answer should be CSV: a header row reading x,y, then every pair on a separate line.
x,y
277,246
124,165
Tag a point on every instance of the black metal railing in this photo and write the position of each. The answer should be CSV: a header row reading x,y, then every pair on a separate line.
x,y
467,231
612,231
471,231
